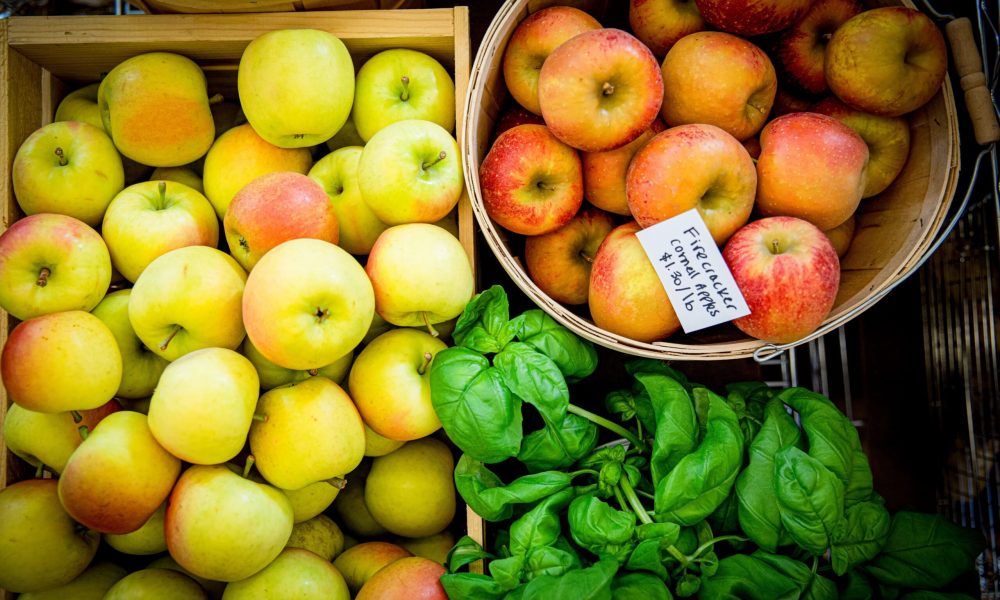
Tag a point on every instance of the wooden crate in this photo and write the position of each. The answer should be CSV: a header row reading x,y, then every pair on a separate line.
x,y
43,58
159,7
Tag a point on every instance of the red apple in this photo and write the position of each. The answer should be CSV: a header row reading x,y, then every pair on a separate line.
x,y
660,23
626,296
693,166
887,61
275,208
719,79
788,273
514,116
753,147
559,262
532,183
752,17
801,50
604,172
811,166
413,578
786,102
532,42
888,140
600,90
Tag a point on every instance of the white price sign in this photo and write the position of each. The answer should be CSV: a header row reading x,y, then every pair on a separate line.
x,y
690,266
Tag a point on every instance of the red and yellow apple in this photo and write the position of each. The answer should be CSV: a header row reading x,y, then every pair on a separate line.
x,y
604,172
752,17
841,236
660,23
512,117
414,578
559,262
337,172
358,563
800,52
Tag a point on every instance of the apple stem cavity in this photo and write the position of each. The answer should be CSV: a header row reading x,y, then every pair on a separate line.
x,y
62,157
607,89
43,277
406,88
84,431
337,482
427,362
166,342
313,372
322,313
441,156
260,417
430,327
248,465
77,417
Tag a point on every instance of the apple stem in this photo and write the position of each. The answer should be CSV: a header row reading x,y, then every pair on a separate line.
x,y
430,328
260,417
313,372
215,99
62,157
40,471
775,247
406,88
607,89
77,417
441,156
248,465
43,277
162,187
84,431
166,342
587,257
427,362
337,482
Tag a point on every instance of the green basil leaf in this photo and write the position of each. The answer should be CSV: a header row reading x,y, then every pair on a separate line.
x,y
929,595
540,526
639,586
559,445
861,536
688,585
810,497
575,357
857,587
648,556
508,572
676,428
548,560
859,484
702,480
564,544
476,409
594,524
471,585
466,551
620,403
743,577
821,588
592,583
657,367
482,325
486,494
535,379
726,518
925,551
759,515
516,593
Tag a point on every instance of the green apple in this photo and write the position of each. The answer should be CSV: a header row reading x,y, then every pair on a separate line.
x,y
402,356
337,172
310,501
40,546
49,439
52,263
351,509
188,299
119,476
203,405
411,171
420,274
149,219
212,587
185,175
141,368
156,584
60,362
319,535
296,86
435,547
225,527
148,539
399,84
155,106
296,573
377,445
307,303
69,168
92,584
411,491
238,157
346,136
272,375
310,432
360,562
81,105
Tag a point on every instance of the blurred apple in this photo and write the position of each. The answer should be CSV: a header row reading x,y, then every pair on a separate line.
x,y
184,175
752,17
887,61
600,90
238,157
399,84
213,588
693,166
435,547
49,438
811,166
513,116
413,578
351,509
149,219
718,79
410,172
60,362
402,356
420,275
604,172
295,573
52,263
786,102
307,304
155,107
92,584
530,45
40,545
378,445
81,105
801,50
296,86
141,368
156,584
532,183
337,172
345,136
559,261
626,296
788,273
146,540
841,236
272,375
310,501
319,535
69,168
359,563
660,23
411,491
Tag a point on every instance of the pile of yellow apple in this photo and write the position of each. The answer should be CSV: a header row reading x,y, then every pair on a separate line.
x,y
209,359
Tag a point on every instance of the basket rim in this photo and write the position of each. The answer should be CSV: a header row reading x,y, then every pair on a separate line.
x,y
501,26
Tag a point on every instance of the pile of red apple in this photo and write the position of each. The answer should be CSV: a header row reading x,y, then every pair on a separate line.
x,y
775,119
211,402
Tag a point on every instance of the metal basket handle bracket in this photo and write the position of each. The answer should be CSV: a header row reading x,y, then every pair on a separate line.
x,y
969,65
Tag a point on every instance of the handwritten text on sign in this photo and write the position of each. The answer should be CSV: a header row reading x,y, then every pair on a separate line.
x,y
690,267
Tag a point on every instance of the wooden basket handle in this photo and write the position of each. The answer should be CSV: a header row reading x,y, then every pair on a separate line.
x,y
969,65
